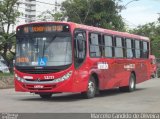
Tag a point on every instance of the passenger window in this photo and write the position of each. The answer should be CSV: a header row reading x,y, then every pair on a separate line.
x,y
108,46
119,48
145,51
94,40
137,49
129,48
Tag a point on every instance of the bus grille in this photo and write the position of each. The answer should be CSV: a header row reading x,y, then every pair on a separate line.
x,y
38,71
41,70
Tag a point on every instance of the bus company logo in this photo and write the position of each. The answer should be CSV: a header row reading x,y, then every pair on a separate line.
x,y
38,67
129,66
38,80
102,65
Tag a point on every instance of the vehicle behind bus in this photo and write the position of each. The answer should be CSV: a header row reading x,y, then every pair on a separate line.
x,y
153,66
3,66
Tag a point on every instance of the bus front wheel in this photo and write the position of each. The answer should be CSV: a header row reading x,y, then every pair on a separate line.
x,y
91,89
131,86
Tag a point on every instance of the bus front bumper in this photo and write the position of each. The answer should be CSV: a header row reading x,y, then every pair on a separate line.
x,y
66,86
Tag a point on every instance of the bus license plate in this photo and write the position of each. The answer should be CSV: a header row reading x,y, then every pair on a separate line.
x,y
38,86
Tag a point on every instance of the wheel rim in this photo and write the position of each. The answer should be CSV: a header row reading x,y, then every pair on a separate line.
x,y
91,87
132,83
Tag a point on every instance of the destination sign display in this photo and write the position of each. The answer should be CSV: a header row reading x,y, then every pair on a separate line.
x,y
40,28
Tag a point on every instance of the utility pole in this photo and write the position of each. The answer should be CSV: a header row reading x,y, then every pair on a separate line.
x,y
1,27
55,9
159,17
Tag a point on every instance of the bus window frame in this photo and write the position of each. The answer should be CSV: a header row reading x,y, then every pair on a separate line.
x,y
113,45
74,45
132,47
137,49
123,46
100,45
147,49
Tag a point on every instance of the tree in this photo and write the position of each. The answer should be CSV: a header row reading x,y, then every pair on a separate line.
x,y
151,30
8,15
100,13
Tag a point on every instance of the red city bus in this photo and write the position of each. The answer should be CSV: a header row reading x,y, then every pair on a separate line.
x,y
55,57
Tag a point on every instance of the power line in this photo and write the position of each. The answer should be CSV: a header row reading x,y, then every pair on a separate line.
x,y
35,17
48,3
43,3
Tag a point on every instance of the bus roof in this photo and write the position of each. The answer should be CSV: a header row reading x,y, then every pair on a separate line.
x,y
111,32
102,30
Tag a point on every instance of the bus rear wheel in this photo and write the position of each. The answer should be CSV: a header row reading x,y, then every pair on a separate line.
x,y
154,75
91,90
45,95
131,86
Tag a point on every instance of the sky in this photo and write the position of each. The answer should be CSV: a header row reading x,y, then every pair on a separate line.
x,y
140,12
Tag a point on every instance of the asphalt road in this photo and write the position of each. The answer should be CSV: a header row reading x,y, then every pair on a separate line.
x,y
145,99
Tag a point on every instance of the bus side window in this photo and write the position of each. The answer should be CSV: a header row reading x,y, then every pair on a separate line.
x,y
94,42
145,50
79,46
108,46
129,46
137,49
119,48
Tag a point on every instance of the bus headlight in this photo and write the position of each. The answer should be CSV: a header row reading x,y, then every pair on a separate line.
x,y
19,78
63,78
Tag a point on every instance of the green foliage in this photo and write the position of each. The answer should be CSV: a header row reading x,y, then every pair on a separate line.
x,y
100,13
151,30
6,74
8,15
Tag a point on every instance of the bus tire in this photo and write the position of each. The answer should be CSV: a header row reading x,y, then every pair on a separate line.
x,y
131,86
45,95
154,75
91,89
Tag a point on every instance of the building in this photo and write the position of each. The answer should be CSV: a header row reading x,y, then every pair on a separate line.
x,y
30,11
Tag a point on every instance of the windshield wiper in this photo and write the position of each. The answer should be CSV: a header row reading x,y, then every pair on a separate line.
x,y
43,48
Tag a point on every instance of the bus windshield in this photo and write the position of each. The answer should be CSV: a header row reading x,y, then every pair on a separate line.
x,y
43,50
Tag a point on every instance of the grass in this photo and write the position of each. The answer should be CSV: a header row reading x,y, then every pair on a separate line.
x,y
6,75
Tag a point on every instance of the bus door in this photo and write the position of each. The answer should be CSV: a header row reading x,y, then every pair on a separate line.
x,y
79,57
